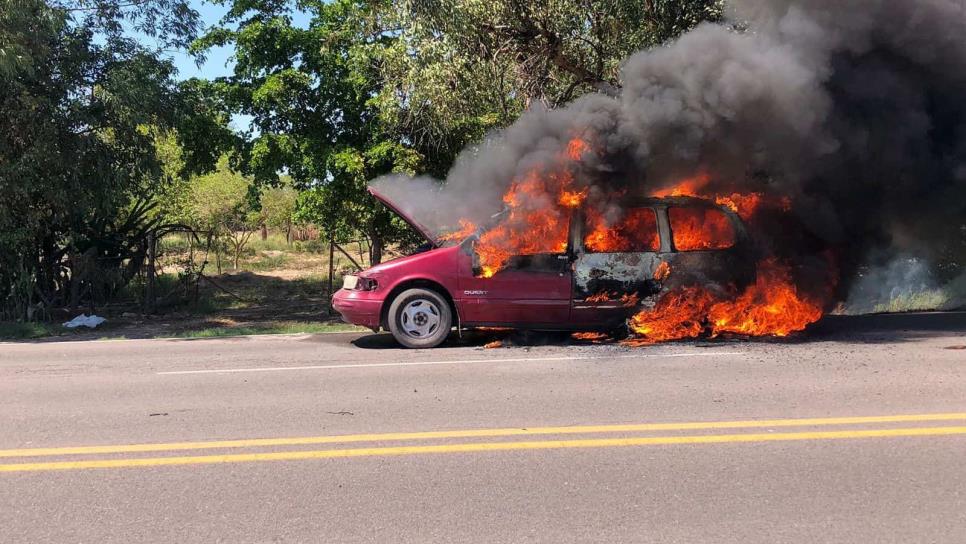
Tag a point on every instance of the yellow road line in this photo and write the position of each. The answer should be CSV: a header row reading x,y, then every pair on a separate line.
x,y
478,433
482,447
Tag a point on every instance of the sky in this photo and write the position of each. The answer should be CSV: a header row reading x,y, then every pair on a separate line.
x,y
219,61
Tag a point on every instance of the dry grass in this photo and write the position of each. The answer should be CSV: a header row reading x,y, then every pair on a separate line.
x,y
278,289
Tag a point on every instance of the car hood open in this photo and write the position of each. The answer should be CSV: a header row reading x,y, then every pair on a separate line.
x,y
406,215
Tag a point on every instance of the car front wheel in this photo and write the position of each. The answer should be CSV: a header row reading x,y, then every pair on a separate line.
x,y
420,318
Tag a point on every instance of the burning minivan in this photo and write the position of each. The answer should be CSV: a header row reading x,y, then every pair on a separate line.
x,y
579,271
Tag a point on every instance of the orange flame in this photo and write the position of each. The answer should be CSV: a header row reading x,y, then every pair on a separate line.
x,y
698,229
572,199
602,296
538,219
626,300
744,205
662,271
772,306
595,337
686,187
534,224
678,314
636,231
629,300
576,149
466,228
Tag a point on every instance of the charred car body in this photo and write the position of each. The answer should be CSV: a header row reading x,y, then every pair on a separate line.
x,y
669,242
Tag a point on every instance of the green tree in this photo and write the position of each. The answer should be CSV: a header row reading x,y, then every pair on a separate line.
x,y
278,207
78,168
310,92
221,206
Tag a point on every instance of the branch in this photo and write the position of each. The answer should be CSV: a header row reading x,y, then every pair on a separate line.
x,y
337,246
119,6
584,75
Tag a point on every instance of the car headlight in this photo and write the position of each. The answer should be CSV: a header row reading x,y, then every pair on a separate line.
x,y
359,283
349,282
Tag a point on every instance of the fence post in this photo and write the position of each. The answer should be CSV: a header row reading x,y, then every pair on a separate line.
x,y
149,296
331,269
331,265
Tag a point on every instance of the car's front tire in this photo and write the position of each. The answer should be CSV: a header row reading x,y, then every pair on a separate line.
x,y
420,318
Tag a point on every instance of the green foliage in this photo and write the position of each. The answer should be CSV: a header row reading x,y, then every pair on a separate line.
x,y
548,50
172,23
278,207
221,205
455,69
219,201
77,165
24,25
269,262
310,91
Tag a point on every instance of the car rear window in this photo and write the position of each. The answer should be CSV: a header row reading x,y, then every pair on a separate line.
x,y
636,231
695,229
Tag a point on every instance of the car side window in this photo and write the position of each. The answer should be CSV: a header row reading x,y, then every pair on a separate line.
x,y
534,247
633,232
696,229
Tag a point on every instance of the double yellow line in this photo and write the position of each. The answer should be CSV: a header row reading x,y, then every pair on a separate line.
x,y
470,447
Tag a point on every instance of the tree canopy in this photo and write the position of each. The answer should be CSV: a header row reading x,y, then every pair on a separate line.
x,y
77,153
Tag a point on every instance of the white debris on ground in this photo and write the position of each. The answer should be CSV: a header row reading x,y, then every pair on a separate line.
x,y
84,320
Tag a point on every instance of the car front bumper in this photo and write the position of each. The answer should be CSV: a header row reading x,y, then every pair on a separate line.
x,y
358,307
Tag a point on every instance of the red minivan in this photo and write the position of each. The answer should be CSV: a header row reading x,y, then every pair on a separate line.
x,y
421,297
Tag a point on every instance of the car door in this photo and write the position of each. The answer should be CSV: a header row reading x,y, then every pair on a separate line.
x,y
532,290
618,264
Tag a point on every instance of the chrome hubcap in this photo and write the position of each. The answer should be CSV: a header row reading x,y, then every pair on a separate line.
x,y
420,318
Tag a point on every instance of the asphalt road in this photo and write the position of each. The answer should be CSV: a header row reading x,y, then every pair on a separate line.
x,y
853,433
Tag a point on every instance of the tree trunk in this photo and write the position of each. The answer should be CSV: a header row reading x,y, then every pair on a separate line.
x,y
75,282
264,232
375,251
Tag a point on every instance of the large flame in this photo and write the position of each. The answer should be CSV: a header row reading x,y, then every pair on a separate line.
x,y
635,231
467,228
700,228
536,222
686,187
537,219
539,205
772,306
743,204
